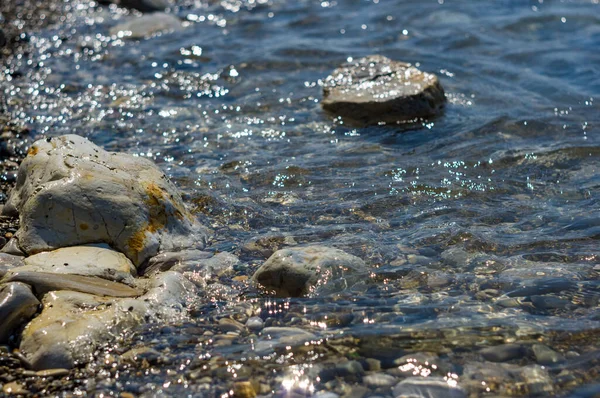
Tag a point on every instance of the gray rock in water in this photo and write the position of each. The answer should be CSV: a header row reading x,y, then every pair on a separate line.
x,y
17,306
272,338
429,387
255,324
72,192
140,5
545,355
503,352
147,25
300,271
376,89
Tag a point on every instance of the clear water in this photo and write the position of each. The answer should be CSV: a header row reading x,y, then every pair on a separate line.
x,y
481,226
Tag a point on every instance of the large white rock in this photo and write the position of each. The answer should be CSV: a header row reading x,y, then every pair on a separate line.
x,y
71,192
376,89
73,325
308,270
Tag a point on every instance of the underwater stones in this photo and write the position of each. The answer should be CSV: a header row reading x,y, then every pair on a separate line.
x,y
72,192
430,387
73,324
503,352
147,25
275,337
91,260
298,271
17,306
376,89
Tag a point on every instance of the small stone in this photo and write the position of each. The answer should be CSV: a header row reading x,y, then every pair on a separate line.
x,y
126,395
379,380
372,364
230,325
57,372
376,89
255,324
281,337
545,355
243,389
14,388
503,352
140,354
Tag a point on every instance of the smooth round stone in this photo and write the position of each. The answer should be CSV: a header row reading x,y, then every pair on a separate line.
x,y
230,325
299,271
379,380
255,324
503,352
545,355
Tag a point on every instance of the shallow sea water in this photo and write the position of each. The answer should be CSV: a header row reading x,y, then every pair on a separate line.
x,y
480,226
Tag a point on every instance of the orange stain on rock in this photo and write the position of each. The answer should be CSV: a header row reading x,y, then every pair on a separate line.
x,y
33,151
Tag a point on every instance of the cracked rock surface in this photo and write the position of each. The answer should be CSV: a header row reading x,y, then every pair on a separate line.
x,y
377,89
71,192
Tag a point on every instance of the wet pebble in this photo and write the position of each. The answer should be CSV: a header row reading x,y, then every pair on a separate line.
x,y
243,389
503,352
544,355
230,325
379,380
255,324
57,372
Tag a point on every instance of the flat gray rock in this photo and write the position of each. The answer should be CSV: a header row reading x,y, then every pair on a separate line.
x,y
71,192
17,306
377,89
299,271
93,260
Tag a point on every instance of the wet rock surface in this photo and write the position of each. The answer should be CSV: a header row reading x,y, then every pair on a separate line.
x,y
304,270
375,89
70,191
17,306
